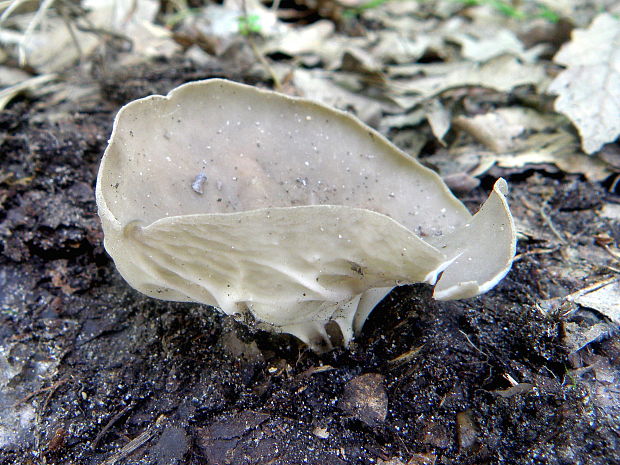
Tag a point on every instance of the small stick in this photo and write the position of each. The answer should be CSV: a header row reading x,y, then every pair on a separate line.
x,y
551,226
53,387
259,56
591,288
474,345
109,425
535,252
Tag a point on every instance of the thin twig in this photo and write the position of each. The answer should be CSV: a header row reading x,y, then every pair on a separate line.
x,y
591,288
528,204
109,425
474,345
259,56
7,94
50,392
551,226
74,38
89,27
406,356
263,61
535,252
611,252
36,20
570,298
13,5
53,387
49,397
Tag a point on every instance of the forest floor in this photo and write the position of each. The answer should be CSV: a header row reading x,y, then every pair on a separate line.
x,y
93,372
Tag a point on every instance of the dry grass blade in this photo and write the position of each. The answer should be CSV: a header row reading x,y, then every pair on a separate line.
x,y
131,446
11,6
36,21
9,93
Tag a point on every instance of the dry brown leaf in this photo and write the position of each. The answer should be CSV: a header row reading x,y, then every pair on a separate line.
x,y
501,130
393,46
503,74
297,41
589,89
335,89
9,93
438,118
484,47
521,136
556,151
48,45
605,300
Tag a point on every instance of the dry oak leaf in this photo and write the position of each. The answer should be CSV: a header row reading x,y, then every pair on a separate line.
x,y
589,88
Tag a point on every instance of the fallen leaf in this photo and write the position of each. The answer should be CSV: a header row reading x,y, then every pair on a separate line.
x,y
577,336
504,129
393,46
605,300
520,137
9,93
556,151
485,47
330,88
10,76
502,74
589,89
438,118
298,41
48,45
403,120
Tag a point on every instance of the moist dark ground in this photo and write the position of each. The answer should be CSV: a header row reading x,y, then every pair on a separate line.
x,y
111,376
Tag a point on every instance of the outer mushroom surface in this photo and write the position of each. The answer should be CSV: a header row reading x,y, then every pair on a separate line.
x,y
284,210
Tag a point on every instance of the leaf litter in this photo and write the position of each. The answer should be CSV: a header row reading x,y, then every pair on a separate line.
x,y
589,88
476,90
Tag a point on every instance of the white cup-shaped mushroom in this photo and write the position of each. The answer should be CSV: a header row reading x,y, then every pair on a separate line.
x,y
284,211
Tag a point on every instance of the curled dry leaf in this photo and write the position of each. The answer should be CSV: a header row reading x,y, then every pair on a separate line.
x,y
485,47
502,73
521,137
605,299
439,119
50,44
589,89
306,215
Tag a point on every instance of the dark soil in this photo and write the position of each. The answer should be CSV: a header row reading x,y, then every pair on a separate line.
x,y
106,375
